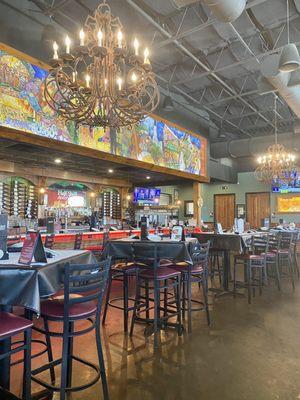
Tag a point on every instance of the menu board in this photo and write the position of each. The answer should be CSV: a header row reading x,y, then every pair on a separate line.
x,y
32,249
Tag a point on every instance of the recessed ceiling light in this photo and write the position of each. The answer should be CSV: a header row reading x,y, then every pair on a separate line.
x,y
57,161
110,170
148,177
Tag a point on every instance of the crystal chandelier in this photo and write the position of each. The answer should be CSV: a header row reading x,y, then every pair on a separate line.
x,y
100,81
277,165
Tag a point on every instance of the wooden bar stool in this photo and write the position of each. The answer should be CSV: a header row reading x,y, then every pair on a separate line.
x,y
10,326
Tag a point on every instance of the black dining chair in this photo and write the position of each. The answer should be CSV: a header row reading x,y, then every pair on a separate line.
x,y
160,280
84,286
10,326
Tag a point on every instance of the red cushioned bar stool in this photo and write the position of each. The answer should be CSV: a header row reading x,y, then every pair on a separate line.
x,y
10,326
254,262
123,269
285,256
82,300
197,272
159,279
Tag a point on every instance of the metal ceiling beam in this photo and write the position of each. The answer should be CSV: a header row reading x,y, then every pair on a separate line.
x,y
210,111
237,117
232,65
229,98
194,58
200,27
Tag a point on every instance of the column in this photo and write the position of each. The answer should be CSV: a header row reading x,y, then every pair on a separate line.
x,y
197,202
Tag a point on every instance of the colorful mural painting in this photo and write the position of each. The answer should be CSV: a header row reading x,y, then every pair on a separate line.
x,y
22,106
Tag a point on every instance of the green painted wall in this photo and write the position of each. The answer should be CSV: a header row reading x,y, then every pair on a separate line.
x,y
246,183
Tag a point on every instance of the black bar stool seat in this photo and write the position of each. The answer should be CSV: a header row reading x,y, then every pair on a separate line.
x,y
11,325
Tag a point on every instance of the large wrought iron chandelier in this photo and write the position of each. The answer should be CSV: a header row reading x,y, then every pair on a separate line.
x,y
277,165
101,81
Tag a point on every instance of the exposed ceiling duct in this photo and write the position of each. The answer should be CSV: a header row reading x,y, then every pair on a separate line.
x,y
226,10
252,146
269,69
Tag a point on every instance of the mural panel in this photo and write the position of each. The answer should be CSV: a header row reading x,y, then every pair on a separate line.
x,y
22,106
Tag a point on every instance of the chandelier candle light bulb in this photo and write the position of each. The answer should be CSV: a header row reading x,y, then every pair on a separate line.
x,y
133,77
68,44
119,82
81,37
136,46
146,56
55,51
87,80
120,39
100,38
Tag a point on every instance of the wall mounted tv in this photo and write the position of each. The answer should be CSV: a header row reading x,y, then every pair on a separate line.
x,y
146,195
293,187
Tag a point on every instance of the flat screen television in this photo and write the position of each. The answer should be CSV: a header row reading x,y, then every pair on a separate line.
x,y
146,195
292,187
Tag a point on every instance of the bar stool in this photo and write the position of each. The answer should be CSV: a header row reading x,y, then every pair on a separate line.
x,y
78,241
252,263
285,256
159,279
49,241
272,258
83,292
197,272
123,268
215,267
12,325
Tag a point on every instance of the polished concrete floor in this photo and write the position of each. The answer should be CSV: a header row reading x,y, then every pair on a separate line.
x,y
250,352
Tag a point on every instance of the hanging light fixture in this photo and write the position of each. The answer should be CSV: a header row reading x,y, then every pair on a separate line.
x,y
276,165
168,104
289,59
100,81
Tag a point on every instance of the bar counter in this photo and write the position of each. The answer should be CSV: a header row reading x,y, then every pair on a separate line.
x,y
90,240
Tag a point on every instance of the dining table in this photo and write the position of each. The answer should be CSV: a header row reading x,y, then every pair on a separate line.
x,y
25,285
226,243
178,251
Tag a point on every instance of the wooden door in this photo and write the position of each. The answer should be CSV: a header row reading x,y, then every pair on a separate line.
x,y
224,209
258,208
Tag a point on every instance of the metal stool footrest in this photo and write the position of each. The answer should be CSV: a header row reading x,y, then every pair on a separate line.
x,y
68,389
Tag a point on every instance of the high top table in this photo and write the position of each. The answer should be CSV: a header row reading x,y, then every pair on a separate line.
x,y
226,243
22,285
168,249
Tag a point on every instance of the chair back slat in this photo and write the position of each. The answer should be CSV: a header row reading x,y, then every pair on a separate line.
x,y
200,253
87,280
